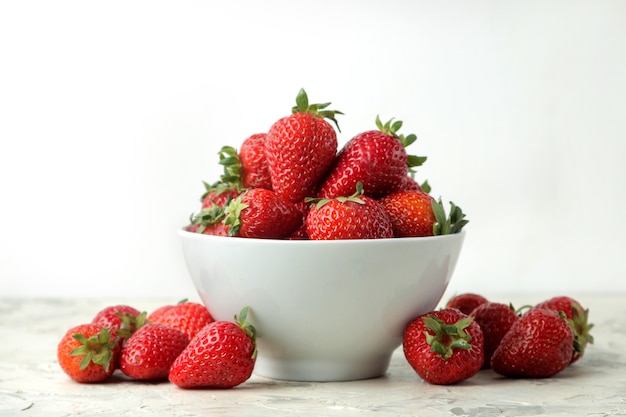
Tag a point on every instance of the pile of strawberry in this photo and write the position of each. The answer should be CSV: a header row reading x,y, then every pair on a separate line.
x,y
181,343
292,182
470,333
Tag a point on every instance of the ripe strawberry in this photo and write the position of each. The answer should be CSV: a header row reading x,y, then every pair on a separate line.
x,y
577,318
444,346
411,213
88,352
218,193
466,302
261,213
538,345
210,221
376,158
353,217
222,355
410,184
300,233
495,320
300,148
122,320
254,170
186,316
149,353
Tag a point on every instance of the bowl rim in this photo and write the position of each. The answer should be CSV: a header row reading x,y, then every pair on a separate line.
x,y
184,232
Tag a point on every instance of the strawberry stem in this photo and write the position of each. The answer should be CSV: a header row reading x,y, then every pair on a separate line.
x,y
97,349
319,109
444,224
447,337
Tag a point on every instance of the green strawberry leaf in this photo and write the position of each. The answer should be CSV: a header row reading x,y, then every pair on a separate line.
x,y
444,224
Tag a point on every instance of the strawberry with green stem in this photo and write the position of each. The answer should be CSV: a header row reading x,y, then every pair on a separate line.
x,y
261,213
88,353
444,346
300,148
538,345
577,318
376,158
222,355
353,217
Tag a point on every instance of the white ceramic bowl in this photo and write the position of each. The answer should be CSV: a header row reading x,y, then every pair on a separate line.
x,y
323,310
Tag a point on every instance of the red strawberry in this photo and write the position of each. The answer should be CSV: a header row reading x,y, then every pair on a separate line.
x,y
353,217
495,320
411,213
538,345
261,213
219,194
149,353
444,346
222,355
254,170
88,352
577,318
300,233
186,316
376,158
466,302
300,148
123,320
410,184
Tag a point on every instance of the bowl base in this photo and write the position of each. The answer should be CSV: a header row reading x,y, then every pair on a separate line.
x,y
311,370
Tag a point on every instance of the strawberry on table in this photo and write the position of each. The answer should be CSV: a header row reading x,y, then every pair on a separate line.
x,y
376,158
466,302
222,355
149,353
577,318
354,217
88,353
538,345
444,346
300,148
261,213
186,316
121,319
495,320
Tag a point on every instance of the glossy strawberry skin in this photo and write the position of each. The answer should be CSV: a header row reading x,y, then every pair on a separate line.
x,y
495,320
538,345
338,220
374,158
255,172
410,184
111,317
188,317
148,354
71,364
411,213
577,318
430,365
466,302
267,215
221,355
299,149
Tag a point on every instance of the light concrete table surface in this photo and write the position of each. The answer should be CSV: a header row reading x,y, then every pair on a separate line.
x,y
32,383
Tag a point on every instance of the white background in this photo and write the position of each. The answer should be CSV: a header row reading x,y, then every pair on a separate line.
x,y
112,113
